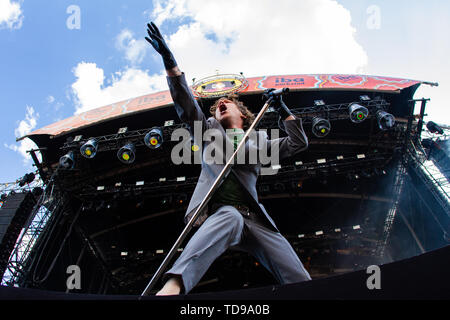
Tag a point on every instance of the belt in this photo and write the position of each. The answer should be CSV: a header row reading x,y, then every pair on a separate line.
x,y
243,209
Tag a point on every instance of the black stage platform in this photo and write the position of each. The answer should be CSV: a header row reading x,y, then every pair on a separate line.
x,y
422,277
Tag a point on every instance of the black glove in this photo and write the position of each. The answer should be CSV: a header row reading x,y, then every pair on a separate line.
x,y
278,104
157,41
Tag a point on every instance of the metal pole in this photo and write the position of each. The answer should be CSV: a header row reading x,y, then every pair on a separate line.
x,y
422,114
225,171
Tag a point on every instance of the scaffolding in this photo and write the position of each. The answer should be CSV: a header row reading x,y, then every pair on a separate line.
x,y
29,235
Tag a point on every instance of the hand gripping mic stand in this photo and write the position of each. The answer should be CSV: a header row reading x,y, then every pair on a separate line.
x,y
223,174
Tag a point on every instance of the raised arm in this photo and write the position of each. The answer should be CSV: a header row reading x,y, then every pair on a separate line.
x,y
296,141
186,106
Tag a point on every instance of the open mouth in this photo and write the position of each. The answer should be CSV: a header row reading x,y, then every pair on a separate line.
x,y
222,108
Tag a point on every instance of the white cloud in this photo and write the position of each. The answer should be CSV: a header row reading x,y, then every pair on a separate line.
x,y
25,126
90,91
50,99
56,104
11,16
135,50
256,38
262,38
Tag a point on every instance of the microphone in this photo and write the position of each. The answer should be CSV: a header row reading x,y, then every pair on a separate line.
x,y
272,93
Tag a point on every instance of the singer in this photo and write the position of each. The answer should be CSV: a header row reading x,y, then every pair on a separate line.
x,y
233,218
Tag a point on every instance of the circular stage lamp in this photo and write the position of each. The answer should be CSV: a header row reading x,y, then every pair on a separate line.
x,y
434,128
154,138
385,120
358,113
67,161
127,154
89,149
320,127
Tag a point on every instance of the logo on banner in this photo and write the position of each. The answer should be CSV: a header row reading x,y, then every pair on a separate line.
x,y
219,85
348,80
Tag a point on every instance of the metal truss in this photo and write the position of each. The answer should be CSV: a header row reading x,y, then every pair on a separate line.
x,y
433,178
414,154
399,180
31,232
284,173
332,112
6,188
115,141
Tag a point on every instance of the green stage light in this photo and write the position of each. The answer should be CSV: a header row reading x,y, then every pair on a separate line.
x,y
358,113
320,127
127,154
89,149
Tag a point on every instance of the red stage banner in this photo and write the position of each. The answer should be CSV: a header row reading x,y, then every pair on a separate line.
x,y
255,85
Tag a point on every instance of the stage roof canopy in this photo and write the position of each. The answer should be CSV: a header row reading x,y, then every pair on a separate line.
x,y
255,85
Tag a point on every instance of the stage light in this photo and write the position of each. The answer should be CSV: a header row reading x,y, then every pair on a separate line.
x,y
320,127
181,198
67,161
319,103
154,138
357,113
127,154
89,149
385,120
166,200
28,178
379,171
434,128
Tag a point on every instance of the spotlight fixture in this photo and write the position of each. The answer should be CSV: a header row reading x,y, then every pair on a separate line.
x,y
364,98
180,199
67,161
193,145
319,103
127,154
89,149
357,112
166,200
385,120
434,127
28,178
154,138
320,127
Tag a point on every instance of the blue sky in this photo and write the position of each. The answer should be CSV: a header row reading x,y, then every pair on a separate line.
x,y
48,71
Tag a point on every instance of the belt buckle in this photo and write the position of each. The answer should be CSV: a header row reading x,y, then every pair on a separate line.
x,y
244,209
